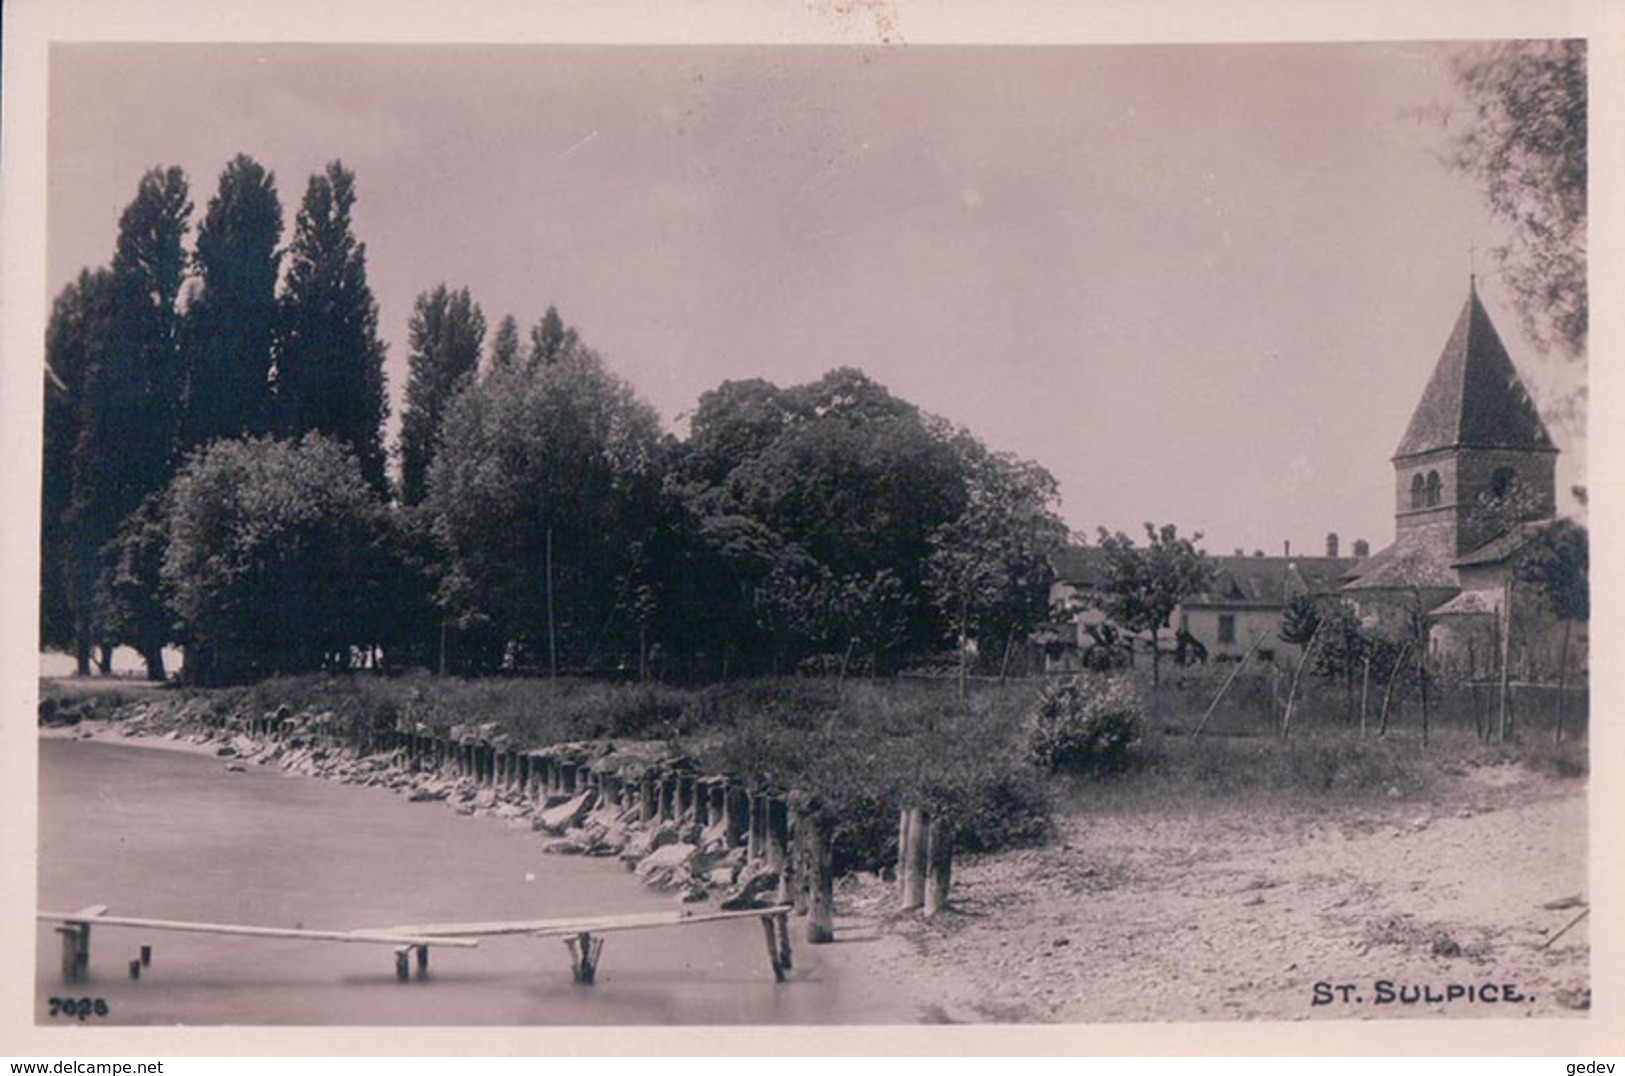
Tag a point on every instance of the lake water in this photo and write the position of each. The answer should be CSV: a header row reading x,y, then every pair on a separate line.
x,y
170,835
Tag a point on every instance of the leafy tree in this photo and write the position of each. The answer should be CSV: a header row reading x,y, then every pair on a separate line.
x,y
447,331
546,476
131,600
1145,585
329,358
857,481
231,322
1557,563
1343,646
77,338
990,568
137,390
734,422
551,340
274,561
505,344
1301,624
130,392
1525,144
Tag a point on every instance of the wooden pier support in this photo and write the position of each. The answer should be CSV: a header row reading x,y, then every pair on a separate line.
x,y
584,952
75,953
778,944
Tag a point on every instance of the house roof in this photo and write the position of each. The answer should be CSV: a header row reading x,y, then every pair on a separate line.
x,y
1081,566
1475,397
1271,581
1403,567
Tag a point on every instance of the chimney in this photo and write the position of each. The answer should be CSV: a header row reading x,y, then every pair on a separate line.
x,y
1362,549
1331,544
1286,549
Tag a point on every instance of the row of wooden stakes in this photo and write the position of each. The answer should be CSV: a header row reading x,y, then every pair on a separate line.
x,y
784,832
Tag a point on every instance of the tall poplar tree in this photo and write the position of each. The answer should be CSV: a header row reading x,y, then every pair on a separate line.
x,y
76,339
505,344
231,322
125,446
329,358
447,331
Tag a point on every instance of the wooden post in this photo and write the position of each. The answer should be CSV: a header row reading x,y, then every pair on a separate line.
x,y
939,860
782,922
685,798
735,812
646,797
820,880
800,829
753,834
776,820
771,931
84,949
70,951
911,859
663,794
584,952
719,798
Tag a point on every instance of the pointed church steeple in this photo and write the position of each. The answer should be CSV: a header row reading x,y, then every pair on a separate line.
x,y
1474,435
1475,398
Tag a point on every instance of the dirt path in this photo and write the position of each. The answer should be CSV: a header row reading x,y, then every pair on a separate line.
x,y
1229,914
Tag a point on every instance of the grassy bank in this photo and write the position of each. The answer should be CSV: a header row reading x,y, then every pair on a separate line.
x,y
866,749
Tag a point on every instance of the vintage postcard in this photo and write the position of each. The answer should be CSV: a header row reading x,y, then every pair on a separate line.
x,y
1042,530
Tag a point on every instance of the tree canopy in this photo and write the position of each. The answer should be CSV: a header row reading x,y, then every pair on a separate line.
x,y
274,560
231,321
539,497
446,332
329,358
1525,144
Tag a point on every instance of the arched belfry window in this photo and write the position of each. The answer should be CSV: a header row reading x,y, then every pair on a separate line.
x,y
1418,492
1433,489
1502,481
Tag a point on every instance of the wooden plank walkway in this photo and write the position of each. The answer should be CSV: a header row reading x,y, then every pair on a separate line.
x,y
75,932
582,934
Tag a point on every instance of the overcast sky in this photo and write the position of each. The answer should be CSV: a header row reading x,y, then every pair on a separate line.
x,y
1200,284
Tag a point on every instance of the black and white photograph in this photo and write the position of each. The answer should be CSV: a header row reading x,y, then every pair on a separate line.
x,y
834,525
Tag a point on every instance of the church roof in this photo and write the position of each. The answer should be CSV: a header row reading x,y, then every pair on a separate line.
x,y
1474,398
1494,552
1403,567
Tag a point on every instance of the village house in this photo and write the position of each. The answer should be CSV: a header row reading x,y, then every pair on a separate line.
x,y
1475,481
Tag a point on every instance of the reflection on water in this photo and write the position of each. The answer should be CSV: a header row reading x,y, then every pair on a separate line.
x,y
167,835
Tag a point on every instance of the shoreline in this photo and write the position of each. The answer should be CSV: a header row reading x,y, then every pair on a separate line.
x,y
1224,912
868,944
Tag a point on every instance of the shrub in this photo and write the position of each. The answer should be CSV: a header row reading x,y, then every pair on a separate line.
x,y
1085,725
